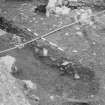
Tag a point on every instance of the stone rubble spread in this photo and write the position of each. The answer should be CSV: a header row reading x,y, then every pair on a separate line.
x,y
10,93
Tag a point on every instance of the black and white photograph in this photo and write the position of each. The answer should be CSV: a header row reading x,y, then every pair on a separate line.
x,y
52,52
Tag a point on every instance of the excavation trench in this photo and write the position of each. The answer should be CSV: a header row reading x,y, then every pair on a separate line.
x,y
48,72
45,65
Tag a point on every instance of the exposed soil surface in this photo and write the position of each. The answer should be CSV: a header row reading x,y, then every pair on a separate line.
x,y
83,45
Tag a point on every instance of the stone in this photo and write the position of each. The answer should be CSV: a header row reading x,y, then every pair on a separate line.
x,y
10,92
29,84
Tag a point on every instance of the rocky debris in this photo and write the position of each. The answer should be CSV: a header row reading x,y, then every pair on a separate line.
x,y
64,7
57,7
17,41
84,16
29,84
10,92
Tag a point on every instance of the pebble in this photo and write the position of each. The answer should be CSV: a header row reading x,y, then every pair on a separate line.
x,y
66,34
41,18
76,76
30,21
33,19
75,51
65,63
94,43
77,28
52,97
79,33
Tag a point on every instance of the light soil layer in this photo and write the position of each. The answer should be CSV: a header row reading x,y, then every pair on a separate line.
x,y
10,92
87,48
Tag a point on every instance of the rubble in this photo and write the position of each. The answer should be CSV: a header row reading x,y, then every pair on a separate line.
x,y
9,89
29,84
57,7
60,6
62,10
84,16
65,7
